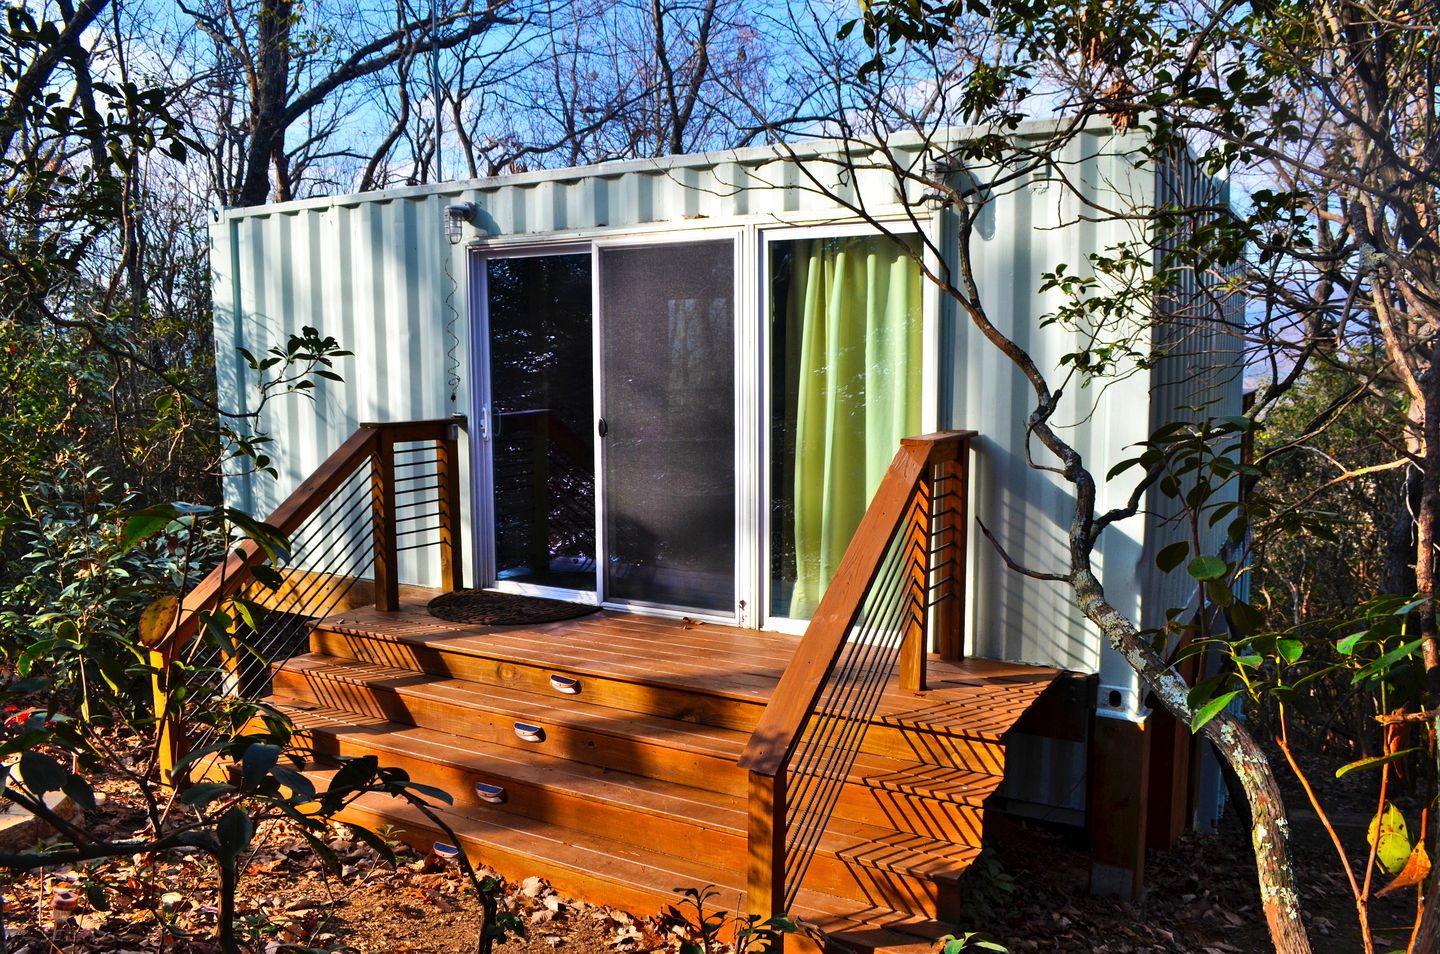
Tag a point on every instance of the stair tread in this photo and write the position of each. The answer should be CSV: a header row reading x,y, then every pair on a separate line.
x,y
647,872
965,785
975,698
533,707
865,844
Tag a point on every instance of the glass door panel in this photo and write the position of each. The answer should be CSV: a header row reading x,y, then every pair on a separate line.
x,y
845,387
541,415
668,399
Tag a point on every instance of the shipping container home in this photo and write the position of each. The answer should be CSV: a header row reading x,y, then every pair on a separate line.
x,y
705,398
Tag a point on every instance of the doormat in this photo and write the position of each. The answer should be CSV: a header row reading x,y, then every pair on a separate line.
x,y
488,608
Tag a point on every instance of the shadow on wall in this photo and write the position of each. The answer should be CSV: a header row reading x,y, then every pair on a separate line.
x,y
1022,619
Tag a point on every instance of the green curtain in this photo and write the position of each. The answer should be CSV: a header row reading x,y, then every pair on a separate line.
x,y
858,303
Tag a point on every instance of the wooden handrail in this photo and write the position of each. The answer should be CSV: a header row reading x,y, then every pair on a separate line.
x,y
783,721
373,443
905,500
304,500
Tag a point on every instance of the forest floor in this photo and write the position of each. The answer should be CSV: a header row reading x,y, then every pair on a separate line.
x,y
1030,894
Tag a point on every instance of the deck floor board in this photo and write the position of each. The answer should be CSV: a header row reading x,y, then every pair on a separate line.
x,y
983,695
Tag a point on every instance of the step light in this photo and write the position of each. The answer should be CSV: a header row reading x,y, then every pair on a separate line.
x,y
494,794
565,684
529,733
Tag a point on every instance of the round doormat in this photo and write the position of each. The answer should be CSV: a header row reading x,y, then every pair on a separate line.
x,y
488,608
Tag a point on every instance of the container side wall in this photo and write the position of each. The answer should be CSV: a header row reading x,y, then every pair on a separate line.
x,y
1020,235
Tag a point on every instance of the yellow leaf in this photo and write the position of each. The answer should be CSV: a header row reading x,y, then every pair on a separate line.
x,y
157,619
1391,839
1416,870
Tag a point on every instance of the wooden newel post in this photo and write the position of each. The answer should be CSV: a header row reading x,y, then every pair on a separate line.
x,y
382,514
170,734
765,866
952,544
915,552
447,465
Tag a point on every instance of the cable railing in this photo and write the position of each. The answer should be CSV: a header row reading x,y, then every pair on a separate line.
x,y
899,585
389,489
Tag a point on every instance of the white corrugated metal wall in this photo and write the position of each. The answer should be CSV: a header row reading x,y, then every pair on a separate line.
x,y
376,272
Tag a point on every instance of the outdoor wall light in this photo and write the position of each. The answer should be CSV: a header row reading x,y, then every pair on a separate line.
x,y
456,215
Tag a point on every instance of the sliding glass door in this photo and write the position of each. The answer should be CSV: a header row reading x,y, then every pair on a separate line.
x,y
667,335
629,459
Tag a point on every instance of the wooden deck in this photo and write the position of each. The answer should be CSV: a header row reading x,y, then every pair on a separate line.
x,y
631,788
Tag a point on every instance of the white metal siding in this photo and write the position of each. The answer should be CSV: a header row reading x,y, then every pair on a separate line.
x,y
375,271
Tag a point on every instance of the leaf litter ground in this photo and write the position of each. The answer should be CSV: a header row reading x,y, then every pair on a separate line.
x,y
1030,893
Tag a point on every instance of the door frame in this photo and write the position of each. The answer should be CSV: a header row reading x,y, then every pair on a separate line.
x,y
482,456
924,226
753,367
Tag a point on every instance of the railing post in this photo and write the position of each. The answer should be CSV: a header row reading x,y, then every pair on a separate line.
x,y
447,465
765,865
382,515
952,544
916,556
170,734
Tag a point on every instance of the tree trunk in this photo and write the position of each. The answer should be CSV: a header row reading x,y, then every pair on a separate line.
x,y
229,883
1269,827
268,99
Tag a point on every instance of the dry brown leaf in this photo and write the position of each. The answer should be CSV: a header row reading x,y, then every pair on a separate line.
x,y
1416,870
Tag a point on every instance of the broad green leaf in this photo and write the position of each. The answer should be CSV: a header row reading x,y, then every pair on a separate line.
x,y
144,524
1346,646
1245,619
1290,650
204,793
1381,665
41,773
235,830
257,762
1211,709
1172,556
374,841
78,790
1207,568
1374,761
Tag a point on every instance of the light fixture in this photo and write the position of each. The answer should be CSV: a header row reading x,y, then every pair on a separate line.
x,y
456,215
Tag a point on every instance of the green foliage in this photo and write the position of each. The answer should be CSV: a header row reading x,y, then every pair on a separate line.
x,y
71,615
708,928
970,941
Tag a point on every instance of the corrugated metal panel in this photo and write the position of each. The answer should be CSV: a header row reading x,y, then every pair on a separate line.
x,y
1200,375
376,272
1024,233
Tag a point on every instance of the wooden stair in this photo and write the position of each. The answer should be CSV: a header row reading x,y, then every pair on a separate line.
x,y
630,788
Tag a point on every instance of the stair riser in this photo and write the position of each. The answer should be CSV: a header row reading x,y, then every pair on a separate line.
x,y
667,834
656,832
857,802
935,748
664,701
621,753
517,866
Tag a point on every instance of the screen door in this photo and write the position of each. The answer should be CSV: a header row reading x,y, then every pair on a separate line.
x,y
668,424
